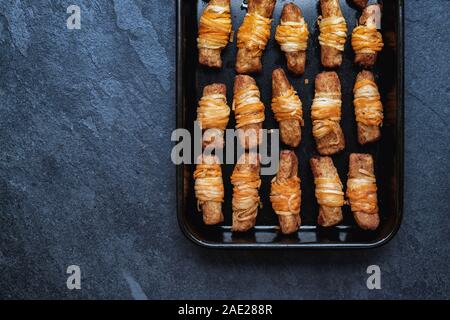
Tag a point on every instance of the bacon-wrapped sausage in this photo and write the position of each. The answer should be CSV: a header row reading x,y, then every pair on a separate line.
x,y
253,35
292,35
326,114
246,183
214,32
362,191
329,194
285,193
287,107
209,189
333,33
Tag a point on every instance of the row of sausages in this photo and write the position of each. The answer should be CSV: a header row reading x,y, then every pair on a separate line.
x,y
285,195
292,34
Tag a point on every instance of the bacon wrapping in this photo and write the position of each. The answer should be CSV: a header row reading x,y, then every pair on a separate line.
x,y
333,33
285,193
368,108
248,110
362,191
292,36
329,194
287,107
213,114
209,189
246,183
326,114
253,35
366,40
214,32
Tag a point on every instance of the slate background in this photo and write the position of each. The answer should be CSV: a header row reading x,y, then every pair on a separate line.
x,y
84,177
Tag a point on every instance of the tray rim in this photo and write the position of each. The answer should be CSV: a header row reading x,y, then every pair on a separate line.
x,y
304,246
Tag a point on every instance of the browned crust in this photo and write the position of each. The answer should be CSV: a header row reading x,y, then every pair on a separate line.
x,y
246,62
212,210
214,137
328,81
290,130
246,139
215,88
211,57
295,60
324,167
248,161
367,134
330,57
288,169
367,60
361,4
363,161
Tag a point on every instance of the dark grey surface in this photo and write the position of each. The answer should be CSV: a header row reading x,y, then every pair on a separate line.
x,y
86,177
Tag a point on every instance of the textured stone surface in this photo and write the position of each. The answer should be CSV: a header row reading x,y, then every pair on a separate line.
x,y
83,116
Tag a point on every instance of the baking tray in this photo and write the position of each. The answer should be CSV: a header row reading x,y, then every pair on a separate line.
x,y
387,153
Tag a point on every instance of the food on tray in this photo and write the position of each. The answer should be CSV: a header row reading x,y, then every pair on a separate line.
x,y
326,114
360,3
248,110
333,33
253,35
209,189
246,183
362,191
329,194
287,108
368,108
213,114
292,35
366,40
214,32
285,193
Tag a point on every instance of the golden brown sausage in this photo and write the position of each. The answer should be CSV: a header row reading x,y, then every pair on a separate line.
x,y
253,35
362,191
366,40
214,32
287,108
329,194
213,114
368,108
246,183
285,193
292,35
333,33
209,189
248,110
326,114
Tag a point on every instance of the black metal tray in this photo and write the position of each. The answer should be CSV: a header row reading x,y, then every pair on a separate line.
x,y
387,153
